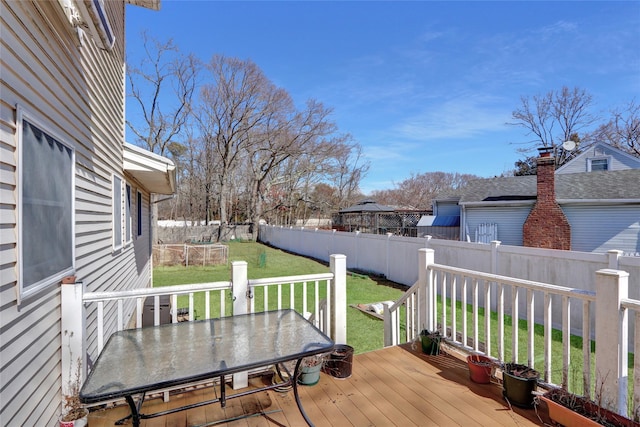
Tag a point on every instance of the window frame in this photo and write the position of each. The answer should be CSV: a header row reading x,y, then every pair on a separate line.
x,y
27,290
117,225
128,219
598,160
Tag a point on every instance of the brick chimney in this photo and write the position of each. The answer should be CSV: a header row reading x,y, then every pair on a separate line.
x,y
546,226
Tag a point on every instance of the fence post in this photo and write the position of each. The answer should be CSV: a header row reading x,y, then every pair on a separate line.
x,y
241,304
612,343
338,266
72,322
613,256
426,290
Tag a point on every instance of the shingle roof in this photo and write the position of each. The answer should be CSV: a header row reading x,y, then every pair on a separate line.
x,y
605,185
367,205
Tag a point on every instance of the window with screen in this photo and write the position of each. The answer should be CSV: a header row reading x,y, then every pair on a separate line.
x,y
46,207
139,216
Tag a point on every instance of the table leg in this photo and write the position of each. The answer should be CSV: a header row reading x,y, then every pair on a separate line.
x,y
135,412
296,373
223,399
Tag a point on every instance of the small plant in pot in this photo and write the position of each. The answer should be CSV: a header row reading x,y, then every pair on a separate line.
x,y
310,370
430,341
480,368
518,384
74,413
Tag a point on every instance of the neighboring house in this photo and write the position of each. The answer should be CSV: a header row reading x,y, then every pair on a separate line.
x,y
601,208
74,197
600,157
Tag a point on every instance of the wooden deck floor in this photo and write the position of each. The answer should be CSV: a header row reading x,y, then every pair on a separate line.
x,y
396,386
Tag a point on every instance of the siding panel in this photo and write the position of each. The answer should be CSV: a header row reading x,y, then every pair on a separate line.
x,y
600,229
509,220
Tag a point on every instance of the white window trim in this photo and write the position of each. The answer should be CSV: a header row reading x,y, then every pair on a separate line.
x,y
120,229
22,293
591,159
128,214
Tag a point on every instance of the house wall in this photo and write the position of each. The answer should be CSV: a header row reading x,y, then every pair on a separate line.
x,y
600,229
509,221
77,92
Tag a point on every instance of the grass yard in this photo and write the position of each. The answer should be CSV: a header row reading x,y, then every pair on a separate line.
x,y
364,333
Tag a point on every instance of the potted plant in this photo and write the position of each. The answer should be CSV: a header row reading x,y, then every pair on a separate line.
x,y
430,342
518,384
480,368
571,410
310,370
74,413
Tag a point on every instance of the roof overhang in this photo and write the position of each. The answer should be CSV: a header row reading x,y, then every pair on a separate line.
x,y
149,4
155,173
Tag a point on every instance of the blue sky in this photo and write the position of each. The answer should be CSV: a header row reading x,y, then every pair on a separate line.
x,y
423,86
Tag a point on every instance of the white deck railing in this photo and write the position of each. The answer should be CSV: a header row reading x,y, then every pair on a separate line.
x,y
442,292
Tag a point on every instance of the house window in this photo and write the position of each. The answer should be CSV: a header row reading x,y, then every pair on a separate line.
x,y
117,212
46,207
599,164
139,216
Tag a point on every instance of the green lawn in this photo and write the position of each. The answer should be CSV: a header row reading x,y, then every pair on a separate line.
x,y
364,333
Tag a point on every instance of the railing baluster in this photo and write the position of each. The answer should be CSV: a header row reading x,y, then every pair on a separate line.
x,y
586,350
292,300
515,323
465,325
192,316
100,322
566,340
316,303
174,311
223,303
120,322
305,307
454,317
279,296
530,328
487,317
500,303
139,310
444,303
476,332
207,305
265,297
156,309
547,336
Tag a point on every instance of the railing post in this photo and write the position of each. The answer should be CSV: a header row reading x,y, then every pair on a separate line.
x,y
72,322
241,301
426,290
338,266
611,340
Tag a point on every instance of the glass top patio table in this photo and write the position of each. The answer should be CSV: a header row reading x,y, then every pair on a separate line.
x,y
136,361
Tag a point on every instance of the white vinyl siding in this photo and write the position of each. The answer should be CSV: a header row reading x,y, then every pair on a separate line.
x,y
600,228
77,94
509,221
117,212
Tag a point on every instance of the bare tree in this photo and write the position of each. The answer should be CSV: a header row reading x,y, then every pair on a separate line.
x,y
554,118
233,106
162,86
623,129
419,190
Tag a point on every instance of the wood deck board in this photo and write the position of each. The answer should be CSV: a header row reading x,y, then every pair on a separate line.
x,y
396,386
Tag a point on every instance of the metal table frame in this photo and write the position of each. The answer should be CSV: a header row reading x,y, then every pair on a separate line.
x,y
137,361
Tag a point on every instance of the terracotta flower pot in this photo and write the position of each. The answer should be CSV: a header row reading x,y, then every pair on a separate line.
x,y
480,368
